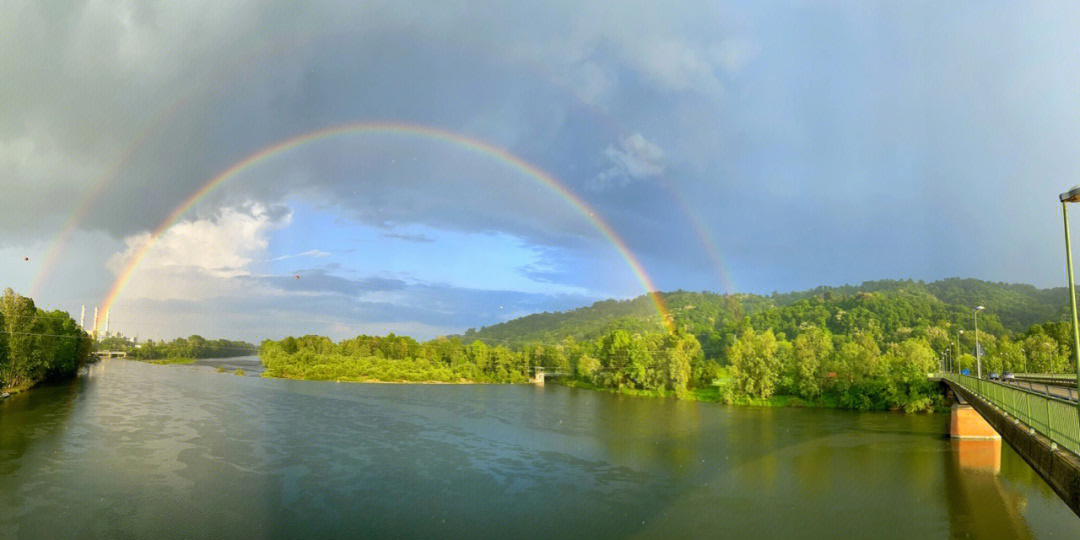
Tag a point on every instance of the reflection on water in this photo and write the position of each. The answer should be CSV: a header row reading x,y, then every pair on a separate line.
x,y
33,418
251,365
136,450
978,455
981,505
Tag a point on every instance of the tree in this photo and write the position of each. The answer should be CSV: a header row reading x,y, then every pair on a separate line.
x,y
811,349
680,351
1043,354
19,316
587,368
755,365
1009,356
36,345
907,365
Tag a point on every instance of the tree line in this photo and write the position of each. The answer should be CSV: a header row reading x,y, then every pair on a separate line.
x,y
38,345
194,346
713,318
847,348
649,361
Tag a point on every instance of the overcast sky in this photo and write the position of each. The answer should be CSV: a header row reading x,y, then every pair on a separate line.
x,y
746,147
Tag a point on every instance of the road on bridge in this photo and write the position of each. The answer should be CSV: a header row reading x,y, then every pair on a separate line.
x,y
1055,390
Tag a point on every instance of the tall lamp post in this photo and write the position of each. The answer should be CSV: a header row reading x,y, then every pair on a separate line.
x,y
958,366
978,351
1073,195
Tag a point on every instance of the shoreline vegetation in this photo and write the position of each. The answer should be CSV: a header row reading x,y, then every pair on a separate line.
x,y
652,365
166,361
179,350
37,345
867,347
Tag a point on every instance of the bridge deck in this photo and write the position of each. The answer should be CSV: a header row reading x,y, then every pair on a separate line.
x,y
1044,430
1056,388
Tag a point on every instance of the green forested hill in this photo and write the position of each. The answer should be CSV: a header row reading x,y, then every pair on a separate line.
x,y
1017,306
864,347
891,307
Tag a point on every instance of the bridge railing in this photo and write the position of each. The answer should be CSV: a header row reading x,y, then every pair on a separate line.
x,y
1054,418
1066,376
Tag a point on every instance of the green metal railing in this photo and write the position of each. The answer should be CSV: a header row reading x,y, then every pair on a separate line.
x,y
1065,376
1056,419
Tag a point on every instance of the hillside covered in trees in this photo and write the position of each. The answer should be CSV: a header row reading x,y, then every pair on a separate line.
x,y
38,345
865,347
1010,308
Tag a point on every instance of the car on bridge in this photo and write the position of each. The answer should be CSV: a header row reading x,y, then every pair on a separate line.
x,y
995,376
1008,376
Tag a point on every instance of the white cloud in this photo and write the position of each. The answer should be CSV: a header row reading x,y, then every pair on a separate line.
x,y
635,159
197,259
315,253
677,65
419,330
733,54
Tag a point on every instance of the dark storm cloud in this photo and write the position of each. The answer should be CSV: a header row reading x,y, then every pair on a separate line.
x,y
155,115
815,143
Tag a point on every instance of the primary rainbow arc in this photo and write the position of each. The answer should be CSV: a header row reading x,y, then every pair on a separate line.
x,y
464,141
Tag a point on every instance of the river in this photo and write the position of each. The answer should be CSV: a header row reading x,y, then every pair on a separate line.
x,y
131,450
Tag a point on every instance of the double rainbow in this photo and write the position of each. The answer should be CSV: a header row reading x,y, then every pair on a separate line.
x,y
462,141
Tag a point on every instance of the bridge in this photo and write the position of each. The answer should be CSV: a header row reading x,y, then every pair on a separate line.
x,y
1062,386
110,354
1036,418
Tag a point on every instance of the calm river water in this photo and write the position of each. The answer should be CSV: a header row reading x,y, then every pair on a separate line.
x,y
132,450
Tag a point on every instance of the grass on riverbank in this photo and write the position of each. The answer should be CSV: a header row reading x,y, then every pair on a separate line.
x,y
165,361
18,389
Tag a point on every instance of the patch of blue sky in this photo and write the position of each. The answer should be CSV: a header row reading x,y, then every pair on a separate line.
x,y
321,238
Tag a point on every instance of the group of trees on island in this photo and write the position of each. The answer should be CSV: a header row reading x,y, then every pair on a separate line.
x,y
194,346
38,345
652,361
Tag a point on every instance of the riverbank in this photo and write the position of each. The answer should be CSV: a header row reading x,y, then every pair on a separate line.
x,y
12,390
269,375
710,394
165,361
715,394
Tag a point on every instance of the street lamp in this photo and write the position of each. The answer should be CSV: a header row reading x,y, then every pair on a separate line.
x,y
978,353
958,332
1073,195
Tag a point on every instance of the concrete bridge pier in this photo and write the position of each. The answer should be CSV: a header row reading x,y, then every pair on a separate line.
x,y
967,423
1059,467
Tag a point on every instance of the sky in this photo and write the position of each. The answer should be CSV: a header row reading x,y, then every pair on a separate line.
x,y
485,160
